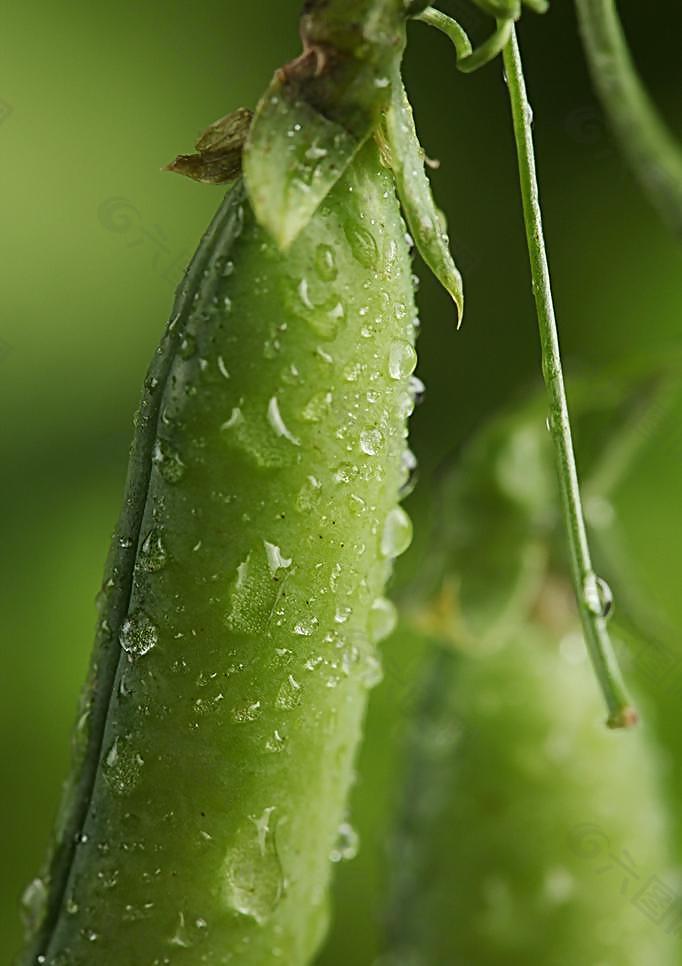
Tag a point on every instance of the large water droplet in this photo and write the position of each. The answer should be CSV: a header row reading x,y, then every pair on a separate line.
x,y
371,441
250,711
397,533
598,595
153,555
383,618
122,766
309,494
188,346
275,558
254,434
402,360
372,672
346,845
139,634
325,263
34,903
254,882
275,743
253,595
289,694
362,244
408,466
418,389
278,424
168,462
317,407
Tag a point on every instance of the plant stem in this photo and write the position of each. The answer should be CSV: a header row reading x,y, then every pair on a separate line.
x,y
651,149
621,712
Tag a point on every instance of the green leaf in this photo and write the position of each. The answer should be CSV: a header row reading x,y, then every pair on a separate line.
x,y
321,108
293,158
405,157
219,150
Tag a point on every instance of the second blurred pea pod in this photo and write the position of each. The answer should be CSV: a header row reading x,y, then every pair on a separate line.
x,y
528,832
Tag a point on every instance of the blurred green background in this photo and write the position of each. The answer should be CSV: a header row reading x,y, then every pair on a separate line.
x,y
93,100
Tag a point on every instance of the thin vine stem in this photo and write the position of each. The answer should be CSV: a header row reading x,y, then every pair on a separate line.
x,y
653,152
587,586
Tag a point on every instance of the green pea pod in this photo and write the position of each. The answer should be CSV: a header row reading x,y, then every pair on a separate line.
x,y
243,599
507,743
529,833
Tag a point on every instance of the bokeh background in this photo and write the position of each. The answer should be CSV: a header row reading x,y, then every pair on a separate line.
x,y
93,100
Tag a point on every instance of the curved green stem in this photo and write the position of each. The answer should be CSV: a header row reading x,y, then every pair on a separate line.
x,y
651,149
621,712
468,60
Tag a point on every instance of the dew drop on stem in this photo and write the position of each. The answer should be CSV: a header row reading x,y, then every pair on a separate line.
x,y
598,595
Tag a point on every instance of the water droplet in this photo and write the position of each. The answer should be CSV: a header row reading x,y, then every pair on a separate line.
x,y
289,694
325,263
304,293
235,419
122,766
168,461
253,595
71,906
408,466
346,845
357,505
383,619
418,389
222,368
342,614
153,555
254,883
250,711
371,441
188,346
187,933
306,626
278,424
372,673
397,533
362,244
309,494
402,359
276,561
275,743
317,407
34,903
352,372
598,595
139,634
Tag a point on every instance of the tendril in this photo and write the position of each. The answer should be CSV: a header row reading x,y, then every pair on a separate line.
x,y
470,58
